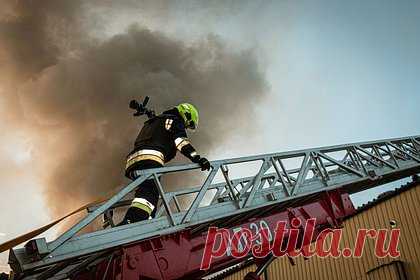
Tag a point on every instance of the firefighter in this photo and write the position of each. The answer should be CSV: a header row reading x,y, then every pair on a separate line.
x,y
157,143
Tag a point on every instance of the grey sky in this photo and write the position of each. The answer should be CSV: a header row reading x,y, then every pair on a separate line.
x,y
339,71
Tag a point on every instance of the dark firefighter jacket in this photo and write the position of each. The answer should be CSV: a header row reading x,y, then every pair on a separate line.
x,y
165,133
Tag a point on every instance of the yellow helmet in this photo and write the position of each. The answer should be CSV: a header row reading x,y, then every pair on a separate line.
x,y
190,115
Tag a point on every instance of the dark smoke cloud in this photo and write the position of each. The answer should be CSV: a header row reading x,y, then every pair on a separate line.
x,y
72,97
27,31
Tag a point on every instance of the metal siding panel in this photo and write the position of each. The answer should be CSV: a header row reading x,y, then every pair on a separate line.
x,y
297,269
406,247
404,208
341,262
403,222
384,216
310,266
382,273
290,268
307,266
366,221
329,264
416,215
414,236
316,268
320,267
349,225
413,214
287,267
416,212
389,209
377,224
277,270
352,265
358,265
280,271
368,253
387,272
270,269
398,213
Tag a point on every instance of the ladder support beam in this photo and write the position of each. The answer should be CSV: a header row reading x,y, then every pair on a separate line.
x,y
350,169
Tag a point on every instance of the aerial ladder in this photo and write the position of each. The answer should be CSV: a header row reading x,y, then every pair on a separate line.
x,y
303,184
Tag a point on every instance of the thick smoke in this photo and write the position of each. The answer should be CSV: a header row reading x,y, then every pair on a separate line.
x,y
69,93
27,31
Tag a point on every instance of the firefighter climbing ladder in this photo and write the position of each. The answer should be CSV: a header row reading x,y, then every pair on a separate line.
x,y
221,200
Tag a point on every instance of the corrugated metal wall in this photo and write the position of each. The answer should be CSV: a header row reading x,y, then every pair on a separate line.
x,y
403,208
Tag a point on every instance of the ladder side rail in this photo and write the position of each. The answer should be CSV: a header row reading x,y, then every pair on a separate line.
x,y
304,169
300,180
256,182
144,175
164,200
404,152
91,216
96,213
334,148
199,198
139,231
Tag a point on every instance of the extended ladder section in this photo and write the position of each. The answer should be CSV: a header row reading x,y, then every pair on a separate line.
x,y
278,182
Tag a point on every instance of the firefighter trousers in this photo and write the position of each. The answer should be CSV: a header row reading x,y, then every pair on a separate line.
x,y
146,197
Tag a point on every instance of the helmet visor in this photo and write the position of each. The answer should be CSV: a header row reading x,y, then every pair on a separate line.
x,y
190,122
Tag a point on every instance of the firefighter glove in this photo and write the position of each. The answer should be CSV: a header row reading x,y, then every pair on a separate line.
x,y
203,162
